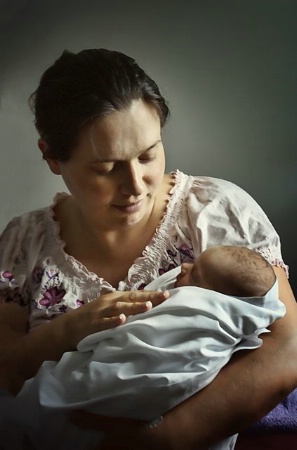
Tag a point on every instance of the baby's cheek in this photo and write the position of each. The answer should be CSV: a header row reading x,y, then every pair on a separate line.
x,y
181,281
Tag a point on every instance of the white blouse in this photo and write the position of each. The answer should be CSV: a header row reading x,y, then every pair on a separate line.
x,y
36,272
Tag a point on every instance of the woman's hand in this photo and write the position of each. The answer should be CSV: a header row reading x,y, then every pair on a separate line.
x,y
22,352
108,311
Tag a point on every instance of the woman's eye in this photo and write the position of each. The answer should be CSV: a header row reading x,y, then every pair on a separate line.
x,y
147,158
104,169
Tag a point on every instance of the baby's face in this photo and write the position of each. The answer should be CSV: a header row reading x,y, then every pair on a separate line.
x,y
193,274
185,278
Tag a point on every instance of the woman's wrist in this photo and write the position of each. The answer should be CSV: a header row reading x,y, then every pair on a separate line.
x,y
45,342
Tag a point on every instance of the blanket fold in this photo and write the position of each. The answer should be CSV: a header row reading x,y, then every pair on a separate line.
x,y
142,368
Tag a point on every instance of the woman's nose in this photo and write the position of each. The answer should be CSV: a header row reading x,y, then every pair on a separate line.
x,y
132,183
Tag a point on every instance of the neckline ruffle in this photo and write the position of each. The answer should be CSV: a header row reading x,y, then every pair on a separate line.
x,y
141,270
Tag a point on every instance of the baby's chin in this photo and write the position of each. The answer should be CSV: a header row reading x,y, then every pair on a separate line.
x,y
180,283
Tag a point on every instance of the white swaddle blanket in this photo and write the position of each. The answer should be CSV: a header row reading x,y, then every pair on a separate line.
x,y
144,367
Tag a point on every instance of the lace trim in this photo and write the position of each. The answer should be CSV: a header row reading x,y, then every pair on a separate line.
x,y
146,266
143,267
269,255
85,275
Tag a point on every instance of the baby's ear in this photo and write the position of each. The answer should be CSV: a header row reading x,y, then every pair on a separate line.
x,y
53,164
184,268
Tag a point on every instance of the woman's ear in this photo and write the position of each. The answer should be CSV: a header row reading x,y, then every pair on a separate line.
x,y
42,146
53,164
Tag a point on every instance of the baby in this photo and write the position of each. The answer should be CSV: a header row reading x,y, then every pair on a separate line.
x,y
159,358
230,270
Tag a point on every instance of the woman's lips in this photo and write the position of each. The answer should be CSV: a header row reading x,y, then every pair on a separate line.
x,y
130,207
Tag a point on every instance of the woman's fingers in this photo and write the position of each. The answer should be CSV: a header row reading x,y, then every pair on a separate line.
x,y
158,297
129,309
111,322
108,311
114,308
135,302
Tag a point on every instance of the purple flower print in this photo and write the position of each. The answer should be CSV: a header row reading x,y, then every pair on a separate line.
x,y
52,273
62,308
79,303
186,252
171,253
7,275
162,270
52,296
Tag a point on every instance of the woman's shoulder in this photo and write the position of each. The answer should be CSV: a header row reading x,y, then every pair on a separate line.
x,y
29,224
24,223
205,190
217,211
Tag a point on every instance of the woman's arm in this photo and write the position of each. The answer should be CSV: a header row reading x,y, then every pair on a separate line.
x,y
23,352
249,386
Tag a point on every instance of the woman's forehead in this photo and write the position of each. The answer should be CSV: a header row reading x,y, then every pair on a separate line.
x,y
122,134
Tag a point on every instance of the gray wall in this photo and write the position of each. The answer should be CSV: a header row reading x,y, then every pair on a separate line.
x,y
227,67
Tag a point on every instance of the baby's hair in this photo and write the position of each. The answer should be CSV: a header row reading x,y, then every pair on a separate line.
x,y
246,273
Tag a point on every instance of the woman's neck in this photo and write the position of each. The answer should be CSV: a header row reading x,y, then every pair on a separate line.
x,y
109,252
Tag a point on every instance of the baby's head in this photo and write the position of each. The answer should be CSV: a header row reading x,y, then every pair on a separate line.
x,y
230,270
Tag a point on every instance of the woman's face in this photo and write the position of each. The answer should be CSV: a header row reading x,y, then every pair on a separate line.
x,y
115,172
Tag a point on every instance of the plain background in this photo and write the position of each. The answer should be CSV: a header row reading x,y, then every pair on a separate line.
x,y
227,67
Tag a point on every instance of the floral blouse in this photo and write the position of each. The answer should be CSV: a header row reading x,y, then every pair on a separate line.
x,y
37,273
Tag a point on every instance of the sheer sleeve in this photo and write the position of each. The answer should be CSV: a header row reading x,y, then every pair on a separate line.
x,y
219,212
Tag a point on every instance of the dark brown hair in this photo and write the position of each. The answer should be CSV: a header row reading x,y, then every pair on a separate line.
x,y
79,88
238,271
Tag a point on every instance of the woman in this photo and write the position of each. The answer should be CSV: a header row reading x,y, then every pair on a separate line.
x,y
100,118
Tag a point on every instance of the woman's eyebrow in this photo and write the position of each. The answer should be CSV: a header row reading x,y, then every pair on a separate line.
x,y
150,147
107,160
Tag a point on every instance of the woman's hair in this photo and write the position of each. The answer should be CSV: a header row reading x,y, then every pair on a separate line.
x,y
79,88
